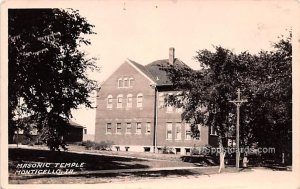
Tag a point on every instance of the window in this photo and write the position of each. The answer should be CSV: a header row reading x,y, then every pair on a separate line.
x,y
128,128
139,100
120,83
213,130
179,110
131,82
188,132
119,128
161,100
119,101
138,128
85,131
125,82
198,132
108,128
180,99
178,131
169,131
109,101
169,107
129,100
148,128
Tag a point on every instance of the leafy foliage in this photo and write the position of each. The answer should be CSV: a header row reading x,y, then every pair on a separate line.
x,y
265,81
47,71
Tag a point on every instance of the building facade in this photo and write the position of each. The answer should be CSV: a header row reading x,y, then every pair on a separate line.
x,y
131,111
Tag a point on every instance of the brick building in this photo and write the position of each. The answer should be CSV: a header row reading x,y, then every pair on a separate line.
x,y
131,110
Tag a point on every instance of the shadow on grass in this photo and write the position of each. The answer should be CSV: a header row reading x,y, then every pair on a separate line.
x,y
92,162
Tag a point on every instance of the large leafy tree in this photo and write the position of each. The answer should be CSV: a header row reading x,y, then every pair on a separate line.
x,y
47,71
265,81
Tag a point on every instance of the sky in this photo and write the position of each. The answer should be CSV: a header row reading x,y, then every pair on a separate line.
x,y
144,30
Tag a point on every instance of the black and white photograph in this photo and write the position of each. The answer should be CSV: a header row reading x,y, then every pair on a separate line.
x,y
150,94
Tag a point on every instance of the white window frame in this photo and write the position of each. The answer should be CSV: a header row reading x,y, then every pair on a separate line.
x,y
129,105
119,85
161,100
190,131
140,128
107,128
178,125
109,105
125,79
118,133
212,128
167,129
120,105
130,82
127,124
139,104
148,128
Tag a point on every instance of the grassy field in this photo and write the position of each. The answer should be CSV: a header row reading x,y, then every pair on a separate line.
x,y
95,166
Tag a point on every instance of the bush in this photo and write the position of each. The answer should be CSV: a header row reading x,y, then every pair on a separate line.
x,y
103,145
167,150
89,144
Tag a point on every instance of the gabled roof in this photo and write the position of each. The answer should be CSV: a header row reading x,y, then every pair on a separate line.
x,y
74,124
155,72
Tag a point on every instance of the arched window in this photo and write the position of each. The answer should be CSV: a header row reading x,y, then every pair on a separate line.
x,y
129,100
131,80
120,83
139,101
109,101
125,82
119,101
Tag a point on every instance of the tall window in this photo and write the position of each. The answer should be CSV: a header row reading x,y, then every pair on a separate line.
x,y
161,100
139,100
169,131
131,82
125,82
138,128
169,107
178,131
108,128
148,128
109,101
120,83
197,132
129,100
119,128
119,101
128,128
213,130
188,131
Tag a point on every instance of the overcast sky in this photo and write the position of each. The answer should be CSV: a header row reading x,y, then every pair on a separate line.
x,y
143,31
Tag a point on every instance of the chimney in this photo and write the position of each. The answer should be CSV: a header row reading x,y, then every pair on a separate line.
x,y
171,55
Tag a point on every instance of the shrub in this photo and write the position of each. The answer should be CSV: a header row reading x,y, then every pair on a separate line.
x,y
167,150
89,144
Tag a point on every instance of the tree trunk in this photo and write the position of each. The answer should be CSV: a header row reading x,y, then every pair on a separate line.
x,y
222,156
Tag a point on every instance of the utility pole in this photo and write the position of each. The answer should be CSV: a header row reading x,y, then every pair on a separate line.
x,y
238,104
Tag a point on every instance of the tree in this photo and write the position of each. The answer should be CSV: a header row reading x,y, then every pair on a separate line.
x,y
265,81
271,88
47,71
206,93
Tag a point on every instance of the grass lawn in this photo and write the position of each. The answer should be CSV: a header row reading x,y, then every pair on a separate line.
x,y
94,164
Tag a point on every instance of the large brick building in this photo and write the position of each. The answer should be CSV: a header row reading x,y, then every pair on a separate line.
x,y
131,110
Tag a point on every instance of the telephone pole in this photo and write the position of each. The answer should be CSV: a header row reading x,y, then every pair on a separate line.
x,y
238,104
